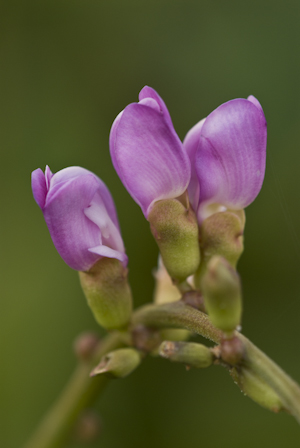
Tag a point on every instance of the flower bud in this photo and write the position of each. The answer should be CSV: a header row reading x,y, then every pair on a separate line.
x,y
222,295
228,157
108,294
81,216
119,363
189,353
256,388
147,153
175,230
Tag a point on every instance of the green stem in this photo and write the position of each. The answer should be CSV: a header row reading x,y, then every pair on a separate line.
x,y
79,393
179,315
82,390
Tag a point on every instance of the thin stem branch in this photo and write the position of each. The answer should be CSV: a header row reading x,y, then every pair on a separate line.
x,y
179,315
79,393
82,390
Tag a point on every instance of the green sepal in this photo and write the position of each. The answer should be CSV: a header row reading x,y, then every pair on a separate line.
x,y
221,289
108,293
175,229
256,388
119,363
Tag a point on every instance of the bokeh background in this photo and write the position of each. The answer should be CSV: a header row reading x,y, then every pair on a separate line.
x,y
67,69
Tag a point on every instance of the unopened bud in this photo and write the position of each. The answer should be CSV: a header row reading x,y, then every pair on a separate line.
x,y
256,388
189,353
85,344
119,363
88,427
108,294
175,229
222,295
221,234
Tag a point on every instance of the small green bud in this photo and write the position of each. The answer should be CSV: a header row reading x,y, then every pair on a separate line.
x,y
222,295
175,229
119,363
256,388
189,353
108,294
221,234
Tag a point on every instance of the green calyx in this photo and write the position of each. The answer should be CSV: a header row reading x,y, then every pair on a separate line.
x,y
119,363
108,293
175,229
221,234
222,295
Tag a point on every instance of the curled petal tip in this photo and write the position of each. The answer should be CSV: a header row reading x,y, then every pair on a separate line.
x,y
39,187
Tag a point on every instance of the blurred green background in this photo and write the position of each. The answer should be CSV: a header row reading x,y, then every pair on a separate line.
x,y
67,69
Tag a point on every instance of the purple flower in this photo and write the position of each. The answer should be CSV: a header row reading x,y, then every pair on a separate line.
x,y
80,214
228,157
147,153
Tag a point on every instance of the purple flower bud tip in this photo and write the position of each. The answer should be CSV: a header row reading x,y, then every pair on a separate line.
x,y
80,214
147,153
228,156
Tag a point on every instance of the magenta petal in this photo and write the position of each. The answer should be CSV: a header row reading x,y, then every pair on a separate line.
x,y
190,143
112,140
71,231
80,214
39,188
231,156
151,160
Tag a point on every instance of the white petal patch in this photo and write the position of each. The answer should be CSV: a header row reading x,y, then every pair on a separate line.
x,y
98,214
108,252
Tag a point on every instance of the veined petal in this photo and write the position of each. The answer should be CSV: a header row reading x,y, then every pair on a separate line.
x,y
71,231
80,214
190,143
60,178
151,160
231,156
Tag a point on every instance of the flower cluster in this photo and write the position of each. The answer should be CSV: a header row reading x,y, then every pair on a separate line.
x,y
218,167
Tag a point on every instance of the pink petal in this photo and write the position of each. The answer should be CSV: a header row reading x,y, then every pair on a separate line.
x,y
190,143
231,156
149,156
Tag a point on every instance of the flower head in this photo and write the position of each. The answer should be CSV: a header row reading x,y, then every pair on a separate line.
x,y
147,153
228,156
80,214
